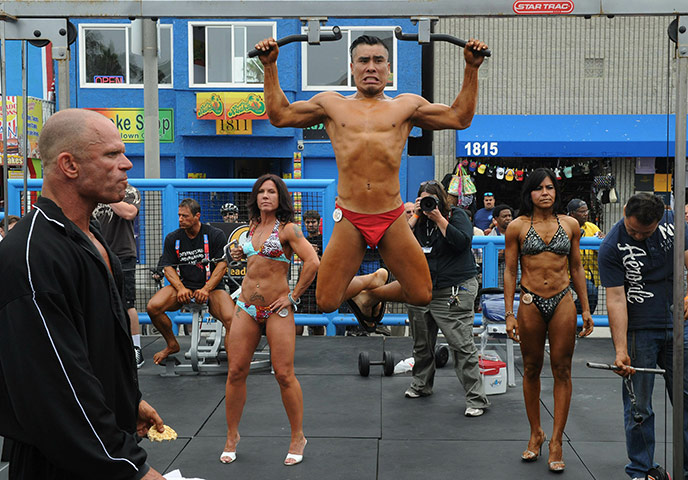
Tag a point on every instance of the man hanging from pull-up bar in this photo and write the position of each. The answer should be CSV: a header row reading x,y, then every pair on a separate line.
x,y
368,131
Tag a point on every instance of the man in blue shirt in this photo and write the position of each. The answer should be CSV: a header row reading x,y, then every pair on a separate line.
x,y
636,267
483,217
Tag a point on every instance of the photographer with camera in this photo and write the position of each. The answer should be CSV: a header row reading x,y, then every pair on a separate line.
x,y
445,234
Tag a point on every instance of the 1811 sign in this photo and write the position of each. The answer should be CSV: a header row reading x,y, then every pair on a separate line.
x,y
234,127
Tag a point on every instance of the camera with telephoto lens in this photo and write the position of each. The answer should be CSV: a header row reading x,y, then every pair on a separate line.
x,y
429,203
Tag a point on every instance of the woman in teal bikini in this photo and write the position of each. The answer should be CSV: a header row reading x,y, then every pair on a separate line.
x,y
547,246
265,300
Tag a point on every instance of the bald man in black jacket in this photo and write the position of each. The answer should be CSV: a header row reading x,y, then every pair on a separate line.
x,y
69,396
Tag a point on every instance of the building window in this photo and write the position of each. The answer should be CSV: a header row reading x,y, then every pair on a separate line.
x,y
327,64
107,61
218,53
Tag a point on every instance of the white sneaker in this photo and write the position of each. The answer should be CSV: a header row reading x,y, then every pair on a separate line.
x,y
473,412
410,393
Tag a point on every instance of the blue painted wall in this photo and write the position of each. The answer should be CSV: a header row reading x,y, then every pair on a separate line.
x,y
14,69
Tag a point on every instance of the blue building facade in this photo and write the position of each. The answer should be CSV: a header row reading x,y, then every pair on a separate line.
x,y
38,83
199,57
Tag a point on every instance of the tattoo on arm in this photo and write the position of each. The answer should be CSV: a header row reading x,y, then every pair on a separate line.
x,y
298,232
257,297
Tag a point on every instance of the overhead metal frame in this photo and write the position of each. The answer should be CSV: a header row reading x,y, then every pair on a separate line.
x,y
324,8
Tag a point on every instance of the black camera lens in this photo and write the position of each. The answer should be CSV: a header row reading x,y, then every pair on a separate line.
x,y
429,203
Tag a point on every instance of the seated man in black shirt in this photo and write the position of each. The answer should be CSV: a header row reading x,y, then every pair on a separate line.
x,y
186,259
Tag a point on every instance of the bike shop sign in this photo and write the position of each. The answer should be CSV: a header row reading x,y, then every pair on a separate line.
x,y
129,122
541,7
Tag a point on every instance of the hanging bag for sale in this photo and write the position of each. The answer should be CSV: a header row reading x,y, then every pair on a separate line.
x,y
455,184
467,185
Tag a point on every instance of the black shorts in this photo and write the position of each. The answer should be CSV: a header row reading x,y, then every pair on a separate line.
x,y
129,287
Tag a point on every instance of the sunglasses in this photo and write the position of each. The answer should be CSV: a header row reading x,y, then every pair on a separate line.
x,y
430,182
488,194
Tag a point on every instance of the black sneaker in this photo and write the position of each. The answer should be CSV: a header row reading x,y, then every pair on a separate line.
x,y
138,356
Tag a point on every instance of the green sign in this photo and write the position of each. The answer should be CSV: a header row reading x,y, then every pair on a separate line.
x,y
129,122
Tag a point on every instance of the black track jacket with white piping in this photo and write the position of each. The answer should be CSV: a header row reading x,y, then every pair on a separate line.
x,y
69,391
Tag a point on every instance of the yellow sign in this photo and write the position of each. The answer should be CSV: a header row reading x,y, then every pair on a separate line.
x,y
12,160
15,125
230,106
239,236
234,127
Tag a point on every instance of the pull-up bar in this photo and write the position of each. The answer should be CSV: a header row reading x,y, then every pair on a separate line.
x,y
324,37
439,37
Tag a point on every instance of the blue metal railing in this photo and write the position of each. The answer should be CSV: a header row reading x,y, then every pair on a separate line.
x,y
171,188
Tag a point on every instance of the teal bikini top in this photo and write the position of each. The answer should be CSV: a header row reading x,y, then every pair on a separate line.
x,y
272,247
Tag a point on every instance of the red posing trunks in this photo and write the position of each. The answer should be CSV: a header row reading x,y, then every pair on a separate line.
x,y
372,225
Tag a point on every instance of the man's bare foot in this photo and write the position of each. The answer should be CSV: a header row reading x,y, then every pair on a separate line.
x,y
365,300
378,278
165,352
368,304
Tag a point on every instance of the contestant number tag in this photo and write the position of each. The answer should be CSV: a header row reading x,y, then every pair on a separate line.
x,y
527,298
337,215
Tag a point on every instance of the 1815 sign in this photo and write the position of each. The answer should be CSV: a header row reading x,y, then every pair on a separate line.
x,y
481,149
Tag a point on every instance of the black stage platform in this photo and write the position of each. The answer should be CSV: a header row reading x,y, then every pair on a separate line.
x,y
364,428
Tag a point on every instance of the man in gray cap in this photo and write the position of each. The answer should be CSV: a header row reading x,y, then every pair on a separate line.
x,y
578,209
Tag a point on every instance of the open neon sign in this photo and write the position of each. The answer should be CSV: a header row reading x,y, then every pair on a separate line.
x,y
108,79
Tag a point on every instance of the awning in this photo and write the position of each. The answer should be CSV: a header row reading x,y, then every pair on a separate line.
x,y
567,136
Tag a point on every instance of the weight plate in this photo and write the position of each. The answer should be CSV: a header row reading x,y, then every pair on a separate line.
x,y
388,364
441,356
364,364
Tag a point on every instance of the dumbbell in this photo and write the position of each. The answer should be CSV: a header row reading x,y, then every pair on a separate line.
x,y
441,355
387,363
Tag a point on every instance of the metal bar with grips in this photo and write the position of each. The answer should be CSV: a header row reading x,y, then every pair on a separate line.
x,y
439,37
324,37
606,366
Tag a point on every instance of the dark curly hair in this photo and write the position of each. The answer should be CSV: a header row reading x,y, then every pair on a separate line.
x,y
647,208
285,208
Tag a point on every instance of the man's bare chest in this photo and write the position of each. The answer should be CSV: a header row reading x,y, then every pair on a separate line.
x,y
354,117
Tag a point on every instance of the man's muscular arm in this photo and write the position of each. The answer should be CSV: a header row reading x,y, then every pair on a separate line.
x,y
299,114
435,116
125,210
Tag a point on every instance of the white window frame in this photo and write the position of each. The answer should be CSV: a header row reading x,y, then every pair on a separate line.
x,y
127,29
211,85
346,34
